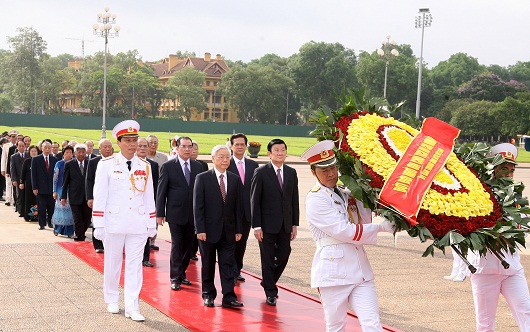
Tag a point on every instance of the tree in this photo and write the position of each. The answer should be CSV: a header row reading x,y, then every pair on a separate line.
x,y
6,104
258,94
401,78
476,120
186,89
446,113
444,79
58,83
489,87
520,72
458,69
513,115
23,69
321,72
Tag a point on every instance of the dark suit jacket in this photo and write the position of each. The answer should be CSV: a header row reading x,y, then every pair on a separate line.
x,y
174,199
90,177
10,152
74,182
41,179
250,166
16,166
274,209
154,174
212,215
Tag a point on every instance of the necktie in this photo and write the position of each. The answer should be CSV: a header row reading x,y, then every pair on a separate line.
x,y
82,168
336,190
241,171
279,175
47,164
22,156
129,165
222,186
187,172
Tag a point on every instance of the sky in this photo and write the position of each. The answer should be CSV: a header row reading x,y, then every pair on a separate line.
x,y
494,32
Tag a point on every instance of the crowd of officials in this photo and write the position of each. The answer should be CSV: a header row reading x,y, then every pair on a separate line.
x,y
211,210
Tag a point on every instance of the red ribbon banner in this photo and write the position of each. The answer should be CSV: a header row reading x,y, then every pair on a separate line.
x,y
424,157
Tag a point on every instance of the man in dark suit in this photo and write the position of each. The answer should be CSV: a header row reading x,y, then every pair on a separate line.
x,y
141,152
17,159
217,207
174,203
74,188
275,215
90,150
105,149
42,184
244,167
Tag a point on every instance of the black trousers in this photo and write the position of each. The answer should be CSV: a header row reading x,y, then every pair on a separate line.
x,y
274,250
225,254
45,208
82,215
147,250
98,244
181,244
241,247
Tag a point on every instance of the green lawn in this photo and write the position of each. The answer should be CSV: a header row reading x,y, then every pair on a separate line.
x,y
296,145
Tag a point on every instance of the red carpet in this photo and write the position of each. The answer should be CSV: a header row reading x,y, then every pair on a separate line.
x,y
295,311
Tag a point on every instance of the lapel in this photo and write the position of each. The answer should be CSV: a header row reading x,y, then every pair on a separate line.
x,y
274,177
249,172
215,184
180,171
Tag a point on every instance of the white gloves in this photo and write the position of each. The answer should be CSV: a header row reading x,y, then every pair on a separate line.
x,y
386,226
151,232
99,233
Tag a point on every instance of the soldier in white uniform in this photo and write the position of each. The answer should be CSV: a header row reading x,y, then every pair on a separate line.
x,y
340,269
491,278
124,217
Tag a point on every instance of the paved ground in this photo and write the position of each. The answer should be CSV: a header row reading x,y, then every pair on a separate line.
x,y
45,288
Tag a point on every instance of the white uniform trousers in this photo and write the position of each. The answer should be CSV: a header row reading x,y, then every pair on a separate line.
x,y
9,190
362,299
133,277
486,289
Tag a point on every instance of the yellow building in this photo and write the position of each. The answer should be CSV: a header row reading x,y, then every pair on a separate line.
x,y
216,109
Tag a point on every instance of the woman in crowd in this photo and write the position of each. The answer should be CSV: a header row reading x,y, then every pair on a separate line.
x,y
63,220
29,204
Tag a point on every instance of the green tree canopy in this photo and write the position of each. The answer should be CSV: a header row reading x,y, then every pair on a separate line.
x,y
186,89
489,87
476,120
321,72
257,93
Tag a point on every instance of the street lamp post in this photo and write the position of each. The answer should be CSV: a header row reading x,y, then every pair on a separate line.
x,y
422,21
387,52
107,21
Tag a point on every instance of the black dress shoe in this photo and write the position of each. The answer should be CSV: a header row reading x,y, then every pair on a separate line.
x,y
240,278
147,263
153,247
8,204
271,300
186,282
208,302
175,286
232,304
41,228
50,224
194,258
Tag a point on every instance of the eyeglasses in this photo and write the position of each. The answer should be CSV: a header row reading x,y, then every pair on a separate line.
x,y
184,147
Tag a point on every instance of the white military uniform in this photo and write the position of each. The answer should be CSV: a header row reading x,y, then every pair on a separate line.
x,y
124,205
492,279
3,168
340,267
